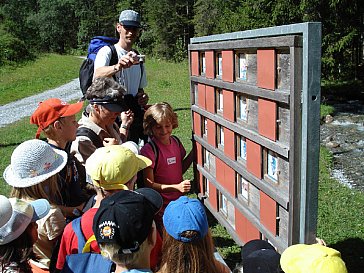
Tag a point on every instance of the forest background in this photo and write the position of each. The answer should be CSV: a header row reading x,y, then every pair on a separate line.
x,y
31,27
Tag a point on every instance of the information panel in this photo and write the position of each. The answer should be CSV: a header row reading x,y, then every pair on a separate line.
x,y
255,101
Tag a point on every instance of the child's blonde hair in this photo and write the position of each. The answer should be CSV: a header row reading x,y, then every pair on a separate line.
x,y
47,189
158,113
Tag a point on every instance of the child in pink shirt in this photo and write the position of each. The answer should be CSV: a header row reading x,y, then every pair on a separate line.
x,y
168,156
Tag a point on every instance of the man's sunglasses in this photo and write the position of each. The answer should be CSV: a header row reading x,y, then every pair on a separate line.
x,y
131,28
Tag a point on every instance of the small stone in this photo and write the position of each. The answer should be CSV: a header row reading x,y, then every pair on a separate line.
x,y
332,144
329,119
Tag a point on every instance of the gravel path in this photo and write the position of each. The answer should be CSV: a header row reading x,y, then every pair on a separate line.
x,y
19,109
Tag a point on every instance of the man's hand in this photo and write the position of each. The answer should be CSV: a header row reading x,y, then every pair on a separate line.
x,y
127,118
110,141
143,98
127,61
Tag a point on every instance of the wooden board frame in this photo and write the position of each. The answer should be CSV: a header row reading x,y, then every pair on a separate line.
x,y
298,104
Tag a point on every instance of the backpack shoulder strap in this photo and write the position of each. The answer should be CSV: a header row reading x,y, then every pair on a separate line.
x,y
76,226
178,140
114,58
87,247
156,153
84,131
141,66
114,55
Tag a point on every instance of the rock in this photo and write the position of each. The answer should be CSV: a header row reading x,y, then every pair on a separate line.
x,y
332,144
329,138
329,119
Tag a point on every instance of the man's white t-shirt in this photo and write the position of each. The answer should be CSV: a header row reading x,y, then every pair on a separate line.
x,y
130,77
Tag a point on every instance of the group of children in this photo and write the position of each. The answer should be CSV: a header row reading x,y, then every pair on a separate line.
x,y
54,196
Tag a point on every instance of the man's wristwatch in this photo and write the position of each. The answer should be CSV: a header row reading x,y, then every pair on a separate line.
x,y
124,126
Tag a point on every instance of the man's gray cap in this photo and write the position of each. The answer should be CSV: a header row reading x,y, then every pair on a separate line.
x,y
129,18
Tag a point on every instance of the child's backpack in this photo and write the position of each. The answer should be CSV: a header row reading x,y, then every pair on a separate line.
x,y
87,67
85,261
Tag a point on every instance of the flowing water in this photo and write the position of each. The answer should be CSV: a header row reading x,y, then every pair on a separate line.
x,y
344,137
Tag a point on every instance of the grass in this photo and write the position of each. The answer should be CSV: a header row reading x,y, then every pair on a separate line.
x,y
47,72
340,215
326,110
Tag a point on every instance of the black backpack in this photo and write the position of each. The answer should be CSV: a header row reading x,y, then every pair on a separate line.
x,y
87,67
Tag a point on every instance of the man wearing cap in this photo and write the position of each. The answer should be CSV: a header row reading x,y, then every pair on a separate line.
x,y
106,98
125,230
128,71
57,120
112,169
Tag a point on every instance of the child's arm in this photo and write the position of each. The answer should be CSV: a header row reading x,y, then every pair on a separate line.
x,y
68,211
187,161
182,187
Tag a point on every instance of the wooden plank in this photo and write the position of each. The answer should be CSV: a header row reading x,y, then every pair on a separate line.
x,y
281,41
283,123
295,154
244,88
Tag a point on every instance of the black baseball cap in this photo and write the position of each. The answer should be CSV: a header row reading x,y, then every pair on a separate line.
x,y
112,104
126,218
260,256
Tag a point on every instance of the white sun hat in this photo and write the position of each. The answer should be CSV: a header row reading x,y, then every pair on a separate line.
x,y
132,146
23,213
5,210
32,162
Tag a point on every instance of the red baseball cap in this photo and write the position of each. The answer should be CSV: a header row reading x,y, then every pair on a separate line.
x,y
50,110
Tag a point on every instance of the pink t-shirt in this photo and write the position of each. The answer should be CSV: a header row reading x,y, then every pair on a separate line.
x,y
169,167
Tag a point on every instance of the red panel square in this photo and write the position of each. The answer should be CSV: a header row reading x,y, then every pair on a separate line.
x,y
229,105
213,196
266,66
268,208
220,170
201,95
197,124
254,158
228,66
200,178
240,225
210,99
252,232
229,182
267,118
229,143
199,157
210,64
194,63
211,132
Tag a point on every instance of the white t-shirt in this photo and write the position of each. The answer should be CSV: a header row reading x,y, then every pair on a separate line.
x,y
130,77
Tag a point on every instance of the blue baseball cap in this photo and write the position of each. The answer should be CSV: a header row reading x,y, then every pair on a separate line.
x,y
185,214
130,18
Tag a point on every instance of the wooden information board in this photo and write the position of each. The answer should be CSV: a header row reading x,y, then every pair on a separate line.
x,y
255,101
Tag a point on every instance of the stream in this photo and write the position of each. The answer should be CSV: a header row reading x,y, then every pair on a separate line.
x,y
344,137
